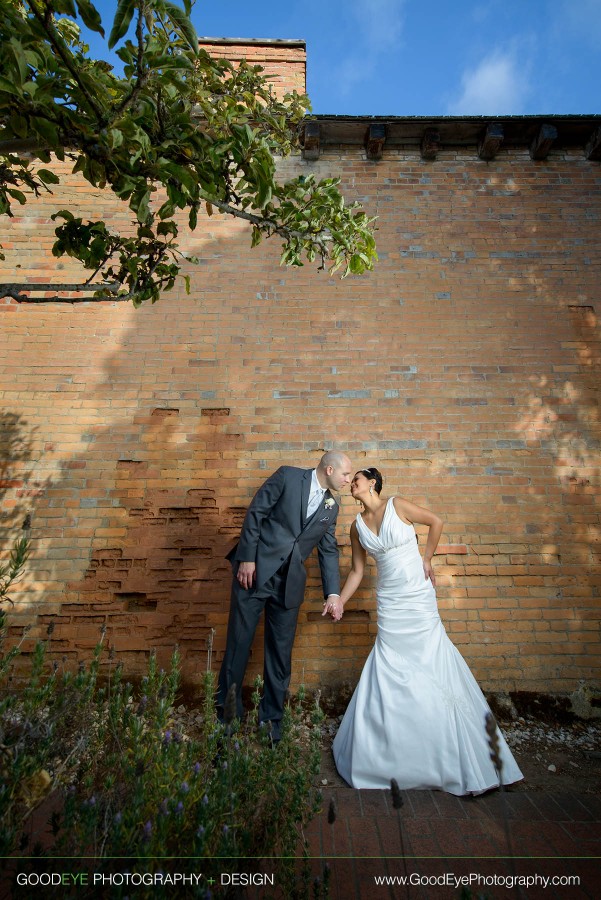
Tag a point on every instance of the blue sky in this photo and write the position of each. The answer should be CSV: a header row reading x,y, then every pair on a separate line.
x,y
428,57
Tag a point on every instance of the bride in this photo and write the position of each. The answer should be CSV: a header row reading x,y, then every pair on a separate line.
x,y
417,714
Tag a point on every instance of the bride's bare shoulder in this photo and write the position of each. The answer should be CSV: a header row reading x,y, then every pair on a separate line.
x,y
401,509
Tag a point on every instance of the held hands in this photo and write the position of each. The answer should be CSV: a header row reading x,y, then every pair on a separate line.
x,y
246,575
429,572
334,607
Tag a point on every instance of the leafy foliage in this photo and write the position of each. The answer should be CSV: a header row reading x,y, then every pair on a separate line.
x,y
11,570
178,131
136,777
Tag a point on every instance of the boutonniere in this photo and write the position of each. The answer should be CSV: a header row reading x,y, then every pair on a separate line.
x,y
329,503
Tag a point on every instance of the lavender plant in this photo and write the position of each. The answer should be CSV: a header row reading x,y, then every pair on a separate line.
x,y
136,784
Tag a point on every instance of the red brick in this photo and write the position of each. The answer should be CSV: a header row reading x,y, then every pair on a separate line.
x,y
477,378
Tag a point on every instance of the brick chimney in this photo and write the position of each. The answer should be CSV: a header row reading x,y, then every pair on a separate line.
x,y
285,62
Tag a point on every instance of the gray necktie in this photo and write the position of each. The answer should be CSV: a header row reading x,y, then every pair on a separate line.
x,y
314,501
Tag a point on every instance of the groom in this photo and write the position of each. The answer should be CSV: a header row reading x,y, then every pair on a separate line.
x,y
291,513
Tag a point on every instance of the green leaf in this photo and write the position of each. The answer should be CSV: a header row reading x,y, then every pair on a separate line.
x,y
18,125
18,54
116,138
171,61
63,214
67,8
356,264
47,131
17,195
47,176
164,228
142,209
166,210
181,23
7,86
123,17
90,16
185,176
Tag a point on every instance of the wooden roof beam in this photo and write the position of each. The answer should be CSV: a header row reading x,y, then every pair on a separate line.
x,y
491,142
593,145
542,143
311,144
375,139
430,144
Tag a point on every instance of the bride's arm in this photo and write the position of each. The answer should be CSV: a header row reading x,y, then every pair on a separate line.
x,y
335,606
421,516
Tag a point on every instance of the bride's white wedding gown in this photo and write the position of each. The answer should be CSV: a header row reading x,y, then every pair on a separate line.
x,y
417,714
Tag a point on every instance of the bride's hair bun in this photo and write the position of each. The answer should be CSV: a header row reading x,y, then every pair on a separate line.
x,y
372,472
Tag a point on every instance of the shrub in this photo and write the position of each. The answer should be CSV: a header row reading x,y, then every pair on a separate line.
x,y
143,783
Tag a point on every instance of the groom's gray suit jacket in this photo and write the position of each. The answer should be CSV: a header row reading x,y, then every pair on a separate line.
x,y
275,530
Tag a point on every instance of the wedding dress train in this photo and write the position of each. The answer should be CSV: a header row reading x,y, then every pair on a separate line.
x,y
417,714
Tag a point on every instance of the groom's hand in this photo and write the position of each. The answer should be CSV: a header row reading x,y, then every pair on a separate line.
x,y
246,575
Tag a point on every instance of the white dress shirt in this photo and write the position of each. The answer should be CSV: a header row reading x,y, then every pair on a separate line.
x,y
315,495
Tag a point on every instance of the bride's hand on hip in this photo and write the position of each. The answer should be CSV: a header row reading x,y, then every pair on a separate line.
x,y
429,572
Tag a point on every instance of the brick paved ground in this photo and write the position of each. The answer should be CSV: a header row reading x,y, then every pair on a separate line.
x,y
550,835
443,838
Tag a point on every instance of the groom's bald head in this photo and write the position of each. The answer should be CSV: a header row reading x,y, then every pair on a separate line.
x,y
334,470
334,458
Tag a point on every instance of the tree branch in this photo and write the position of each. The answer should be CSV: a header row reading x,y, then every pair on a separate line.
x,y
22,145
142,76
58,46
320,238
13,289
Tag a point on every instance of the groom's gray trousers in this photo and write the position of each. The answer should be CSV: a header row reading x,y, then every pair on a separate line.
x,y
280,628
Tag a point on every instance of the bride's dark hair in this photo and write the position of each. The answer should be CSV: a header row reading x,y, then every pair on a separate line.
x,y
372,472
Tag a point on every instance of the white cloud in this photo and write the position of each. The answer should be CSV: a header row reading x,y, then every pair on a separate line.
x,y
498,86
350,72
377,28
379,22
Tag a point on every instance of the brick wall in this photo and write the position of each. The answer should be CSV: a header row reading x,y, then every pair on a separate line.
x,y
465,367
283,62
